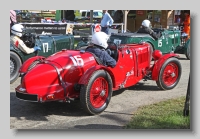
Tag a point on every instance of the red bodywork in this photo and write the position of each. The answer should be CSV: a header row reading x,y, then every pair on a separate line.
x,y
58,77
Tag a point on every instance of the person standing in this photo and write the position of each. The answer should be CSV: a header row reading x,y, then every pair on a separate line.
x,y
186,23
13,19
106,21
69,15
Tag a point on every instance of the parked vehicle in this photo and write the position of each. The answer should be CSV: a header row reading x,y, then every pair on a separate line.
x,y
85,16
49,44
29,17
171,41
77,74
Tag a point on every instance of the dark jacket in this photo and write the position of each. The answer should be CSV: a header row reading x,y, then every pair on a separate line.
x,y
105,58
149,31
69,15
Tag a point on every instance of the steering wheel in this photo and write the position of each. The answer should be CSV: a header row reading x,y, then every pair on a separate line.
x,y
113,48
29,39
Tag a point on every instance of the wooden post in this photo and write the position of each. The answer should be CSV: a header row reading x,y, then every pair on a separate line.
x,y
125,12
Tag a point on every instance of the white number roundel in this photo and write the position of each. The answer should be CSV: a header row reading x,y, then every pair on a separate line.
x,y
77,60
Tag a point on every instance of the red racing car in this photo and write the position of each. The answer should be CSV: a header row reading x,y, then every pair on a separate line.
x,y
76,74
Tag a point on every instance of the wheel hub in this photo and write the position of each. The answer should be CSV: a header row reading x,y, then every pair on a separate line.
x,y
170,74
102,93
173,74
99,92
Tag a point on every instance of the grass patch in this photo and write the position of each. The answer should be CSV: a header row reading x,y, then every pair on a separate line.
x,y
76,42
164,115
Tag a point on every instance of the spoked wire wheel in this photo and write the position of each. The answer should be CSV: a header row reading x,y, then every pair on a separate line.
x,y
96,94
169,74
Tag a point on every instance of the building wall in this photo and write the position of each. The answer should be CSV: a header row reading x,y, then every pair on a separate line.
x,y
158,18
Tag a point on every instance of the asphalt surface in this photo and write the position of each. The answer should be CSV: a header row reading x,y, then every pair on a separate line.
x,y
124,102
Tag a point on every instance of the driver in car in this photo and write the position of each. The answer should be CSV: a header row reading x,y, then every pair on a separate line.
x,y
17,31
146,28
99,46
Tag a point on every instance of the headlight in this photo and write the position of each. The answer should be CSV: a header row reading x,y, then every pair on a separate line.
x,y
156,54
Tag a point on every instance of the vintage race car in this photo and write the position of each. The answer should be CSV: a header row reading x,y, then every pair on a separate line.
x,y
172,40
49,44
77,74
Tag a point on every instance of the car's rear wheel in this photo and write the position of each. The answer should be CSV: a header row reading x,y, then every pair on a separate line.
x,y
96,95
170,74
15,64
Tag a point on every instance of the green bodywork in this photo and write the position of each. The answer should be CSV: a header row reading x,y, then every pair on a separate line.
x,y
49,44
170,40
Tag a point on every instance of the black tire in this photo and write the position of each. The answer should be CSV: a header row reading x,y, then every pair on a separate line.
x,y
15,64
30,67
187,53
170,74
88,102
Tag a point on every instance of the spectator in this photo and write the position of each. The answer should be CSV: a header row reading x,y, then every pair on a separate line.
x,y
69,15
17,31
186,22
13,18
179,19
146,28
106,21
99,46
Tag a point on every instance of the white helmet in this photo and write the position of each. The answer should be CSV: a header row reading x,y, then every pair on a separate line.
x,y
17,29
146,23
100,39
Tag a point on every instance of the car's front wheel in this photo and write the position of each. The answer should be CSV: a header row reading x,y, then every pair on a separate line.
x,y
15,64
170,74
96,95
